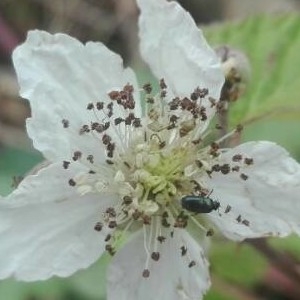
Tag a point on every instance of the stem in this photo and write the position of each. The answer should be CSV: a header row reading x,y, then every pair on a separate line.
x,y
281,261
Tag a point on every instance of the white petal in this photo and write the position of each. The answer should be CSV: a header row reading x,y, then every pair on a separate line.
x,y
49,184
60,76
46,229
176,49
170,277
268,199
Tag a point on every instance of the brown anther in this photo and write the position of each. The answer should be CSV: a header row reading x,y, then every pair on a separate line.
x,y
210,232
165,223
106,125
161,239
244,176
112,224
147,88
111,212
183,250
155,256
194,96
197,141
127,200
107,238
110,249
239,219
225,169
173,119
99,105
150,100
218,126
66,164
246,222
216,168
76,155
248,161
212,101
235,169
202,92
146,273
118,121
237,157
137,122
90,106
109,162
162,144
92,172
174,104
90,158
199,163
163,94
98,226
114,95
72,182
65,123
162,84
192,264
136,214
227,209
146,219
128,88
83,129
106,139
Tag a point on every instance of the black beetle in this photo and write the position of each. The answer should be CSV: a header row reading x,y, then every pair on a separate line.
x,y
199,204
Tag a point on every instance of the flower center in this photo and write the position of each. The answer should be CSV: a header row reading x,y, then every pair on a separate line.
x,y
158,165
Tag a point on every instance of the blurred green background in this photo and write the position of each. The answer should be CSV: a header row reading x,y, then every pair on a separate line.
x,y
272,43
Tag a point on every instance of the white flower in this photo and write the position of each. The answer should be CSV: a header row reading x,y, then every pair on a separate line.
x,y
114,171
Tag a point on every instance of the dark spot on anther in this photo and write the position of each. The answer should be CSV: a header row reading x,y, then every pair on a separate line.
x,y
183,250
155,256
65,123
72,182
66,164
109,162
92,172
192,264
244,176
98,226
146,273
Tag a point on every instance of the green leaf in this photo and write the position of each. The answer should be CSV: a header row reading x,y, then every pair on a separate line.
x,y
272,44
